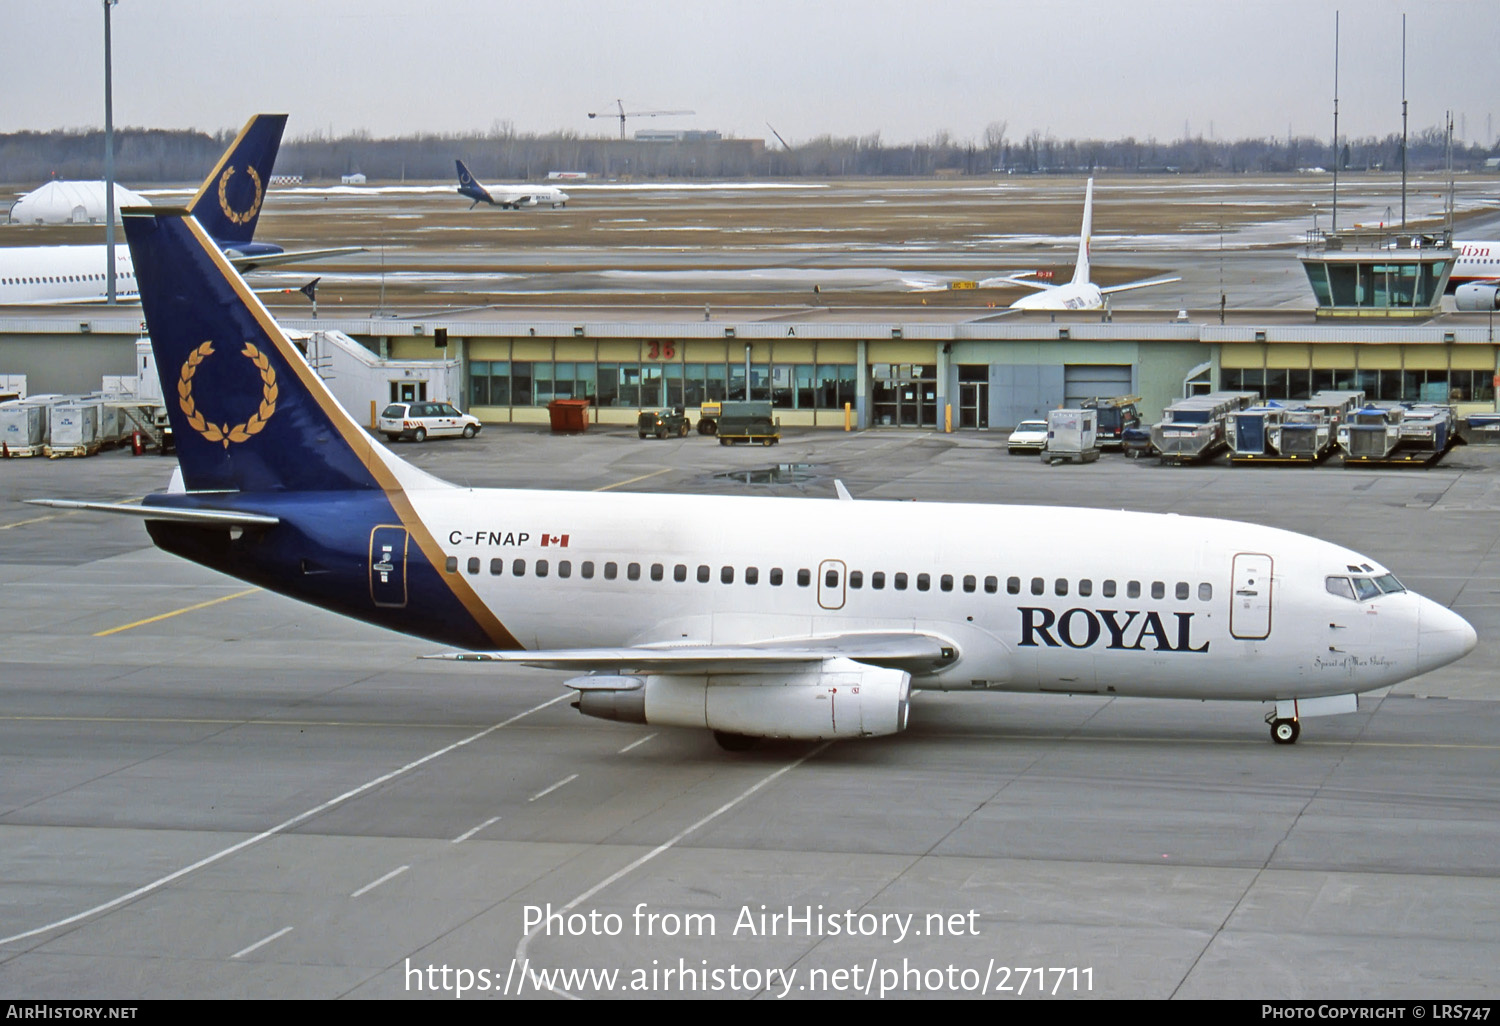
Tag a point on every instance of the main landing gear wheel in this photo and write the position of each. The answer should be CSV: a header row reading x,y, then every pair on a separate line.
x,y
1285,732
735,742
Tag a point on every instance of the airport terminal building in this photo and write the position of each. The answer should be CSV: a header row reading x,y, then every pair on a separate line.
x,y
915,375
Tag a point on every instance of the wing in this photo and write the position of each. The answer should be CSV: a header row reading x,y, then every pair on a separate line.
x,y
1138,285
257,261
1016,279
912,651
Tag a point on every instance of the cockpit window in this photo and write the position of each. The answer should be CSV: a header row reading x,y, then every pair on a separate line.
x,y
1340,586
1362,588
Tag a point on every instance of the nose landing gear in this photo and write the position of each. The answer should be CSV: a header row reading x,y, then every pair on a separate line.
x,y
1283,732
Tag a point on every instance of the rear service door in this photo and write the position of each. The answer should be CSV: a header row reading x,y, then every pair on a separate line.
x,y
388,545
1250,601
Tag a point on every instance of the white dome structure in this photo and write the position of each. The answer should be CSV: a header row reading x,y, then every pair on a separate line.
x,y
70,203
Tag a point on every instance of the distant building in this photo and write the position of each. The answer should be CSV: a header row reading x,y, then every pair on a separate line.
x,y
355,179
71,203
677,135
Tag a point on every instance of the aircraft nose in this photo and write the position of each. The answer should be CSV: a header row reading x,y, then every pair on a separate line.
x,y
1443,636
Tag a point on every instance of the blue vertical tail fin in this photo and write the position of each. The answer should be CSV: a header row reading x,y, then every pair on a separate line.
x,y
248,413
469,186
228,203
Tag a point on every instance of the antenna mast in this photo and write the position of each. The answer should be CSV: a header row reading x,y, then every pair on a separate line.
x,y
1403,122
1334,225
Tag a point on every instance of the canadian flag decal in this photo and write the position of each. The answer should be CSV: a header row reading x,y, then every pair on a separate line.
x,y
554,539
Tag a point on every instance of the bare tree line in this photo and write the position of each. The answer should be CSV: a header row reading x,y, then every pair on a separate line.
x,y
150,156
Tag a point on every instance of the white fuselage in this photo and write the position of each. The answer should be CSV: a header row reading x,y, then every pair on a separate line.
x,y
1072,296
1032,598
1476,262
541,196
63,274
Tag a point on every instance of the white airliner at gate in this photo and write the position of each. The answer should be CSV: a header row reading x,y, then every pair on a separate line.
x,y
1250,601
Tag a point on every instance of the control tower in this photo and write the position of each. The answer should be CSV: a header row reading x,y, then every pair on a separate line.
x,y
1382,273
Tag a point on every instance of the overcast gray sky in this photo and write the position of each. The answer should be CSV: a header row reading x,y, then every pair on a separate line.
x,y
905,68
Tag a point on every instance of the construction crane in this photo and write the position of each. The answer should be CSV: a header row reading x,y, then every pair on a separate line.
x,y
637,114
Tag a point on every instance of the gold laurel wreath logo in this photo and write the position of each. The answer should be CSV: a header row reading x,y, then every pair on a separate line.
x,y
227,433
248,214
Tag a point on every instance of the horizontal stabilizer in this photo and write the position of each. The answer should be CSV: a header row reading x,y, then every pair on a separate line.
x,y
218,517
905,651
257,261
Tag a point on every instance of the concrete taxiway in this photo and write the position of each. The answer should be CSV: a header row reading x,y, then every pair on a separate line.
x,y
211,791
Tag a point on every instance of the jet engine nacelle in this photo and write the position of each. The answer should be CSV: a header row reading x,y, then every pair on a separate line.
x,y
1477,297
837,698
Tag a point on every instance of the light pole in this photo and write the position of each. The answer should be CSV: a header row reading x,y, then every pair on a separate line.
x,y
109,165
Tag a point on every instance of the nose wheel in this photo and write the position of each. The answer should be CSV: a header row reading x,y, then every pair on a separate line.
x,y
1285,732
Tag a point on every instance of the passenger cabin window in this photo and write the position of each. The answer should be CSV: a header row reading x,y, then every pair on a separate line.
x,y
564,568
726,575
703,573
804,578
945,582
1085,587
924,582
1158,590
1182,589
752,575
1060,586
586,570
1205,592
451,565
1133,589
541,568
518,567
473,564
658,571
1108,589
1038,586
991,585
679,572
497,567
633,571
775,577
856,578
611,571
1013,585
899,582
970,584
877,580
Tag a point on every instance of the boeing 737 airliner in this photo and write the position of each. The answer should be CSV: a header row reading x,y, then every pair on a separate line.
x,y
507,197
227,206
751,617
1080,293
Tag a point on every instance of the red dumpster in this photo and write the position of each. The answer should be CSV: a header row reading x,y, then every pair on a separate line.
x,y
569,414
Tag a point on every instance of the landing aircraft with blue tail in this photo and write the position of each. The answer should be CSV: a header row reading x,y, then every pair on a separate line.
x,y
227,205
751,617
507,197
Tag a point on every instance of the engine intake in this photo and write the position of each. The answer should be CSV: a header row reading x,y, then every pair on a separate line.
x,y
1474,297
